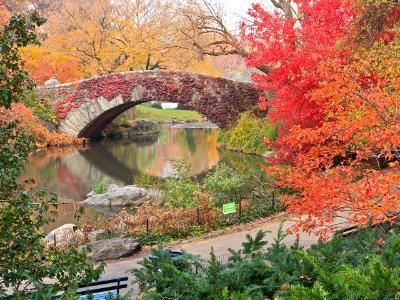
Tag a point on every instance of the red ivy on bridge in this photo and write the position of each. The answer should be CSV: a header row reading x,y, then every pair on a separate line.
x,y
218,99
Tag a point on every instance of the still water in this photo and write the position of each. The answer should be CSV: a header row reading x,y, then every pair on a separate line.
x,y
71,172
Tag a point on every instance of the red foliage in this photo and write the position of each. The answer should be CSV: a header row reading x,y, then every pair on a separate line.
x,y
338,100
31,125
346,169
292,50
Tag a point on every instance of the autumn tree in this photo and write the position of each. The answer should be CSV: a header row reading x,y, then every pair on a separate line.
x,y
345,168
109,36
291,43
42,64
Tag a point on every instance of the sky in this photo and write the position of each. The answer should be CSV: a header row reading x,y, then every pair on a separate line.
x,y
235,9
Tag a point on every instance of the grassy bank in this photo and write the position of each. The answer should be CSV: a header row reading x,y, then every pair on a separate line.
x,y
145,112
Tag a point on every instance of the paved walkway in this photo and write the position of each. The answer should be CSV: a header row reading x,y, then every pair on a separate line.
x,y
220,243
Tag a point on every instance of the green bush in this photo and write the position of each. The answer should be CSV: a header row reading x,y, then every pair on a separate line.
x,y
39,107
366,266
248,135
99,187
147,181
179,191
224,185
26,263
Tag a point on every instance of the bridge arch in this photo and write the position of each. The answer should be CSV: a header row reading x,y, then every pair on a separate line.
x,y
84,108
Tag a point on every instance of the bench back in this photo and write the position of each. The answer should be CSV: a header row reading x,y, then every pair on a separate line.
x,y
102,288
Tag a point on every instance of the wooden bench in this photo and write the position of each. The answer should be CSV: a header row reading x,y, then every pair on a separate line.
x,y
102,289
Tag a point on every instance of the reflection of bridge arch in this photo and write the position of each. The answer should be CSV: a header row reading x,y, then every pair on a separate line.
x,y
107,163
85,107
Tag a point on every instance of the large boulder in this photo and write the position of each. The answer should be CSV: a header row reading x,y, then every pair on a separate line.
x,y
113,248
143,127
129,195
65,235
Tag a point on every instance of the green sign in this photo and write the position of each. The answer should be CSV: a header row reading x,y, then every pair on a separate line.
x,y
229,208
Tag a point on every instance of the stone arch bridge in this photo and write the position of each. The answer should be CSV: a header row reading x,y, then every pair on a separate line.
x,y
84,108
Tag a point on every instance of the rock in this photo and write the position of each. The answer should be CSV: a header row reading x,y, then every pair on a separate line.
x,y
52,82
64,235
142,127
51,126
129,195
95,234
113,248
268,154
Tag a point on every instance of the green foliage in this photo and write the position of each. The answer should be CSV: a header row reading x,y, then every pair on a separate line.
x,y
19,32
99,187
224,185
248,135
39,107
179,191
25,260
366,266
148,181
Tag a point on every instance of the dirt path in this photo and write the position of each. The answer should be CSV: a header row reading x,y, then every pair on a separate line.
x,y
220,243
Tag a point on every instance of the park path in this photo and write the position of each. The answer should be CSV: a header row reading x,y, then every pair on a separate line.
x,y
220,243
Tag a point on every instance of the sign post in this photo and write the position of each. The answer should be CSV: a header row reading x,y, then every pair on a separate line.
x,y
229,208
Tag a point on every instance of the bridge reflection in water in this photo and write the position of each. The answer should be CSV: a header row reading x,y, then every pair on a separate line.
x,y
72,172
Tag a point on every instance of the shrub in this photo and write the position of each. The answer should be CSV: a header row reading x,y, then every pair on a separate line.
x,y
224,185
147,181
39,107
248,135
180,191
366,266
99,187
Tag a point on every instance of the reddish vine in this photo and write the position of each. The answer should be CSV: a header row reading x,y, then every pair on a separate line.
x,y
218,99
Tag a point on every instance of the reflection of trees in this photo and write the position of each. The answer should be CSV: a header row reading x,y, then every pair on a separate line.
x,y
190,140
242,163
144,140
198,146
71,174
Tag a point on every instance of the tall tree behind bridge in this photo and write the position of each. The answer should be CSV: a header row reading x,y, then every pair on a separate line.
x,y
109,36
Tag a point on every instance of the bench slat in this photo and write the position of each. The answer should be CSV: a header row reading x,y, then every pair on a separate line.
x,y
102,289
106,281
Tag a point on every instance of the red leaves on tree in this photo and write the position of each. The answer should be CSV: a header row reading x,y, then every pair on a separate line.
x,y
292,49
339,103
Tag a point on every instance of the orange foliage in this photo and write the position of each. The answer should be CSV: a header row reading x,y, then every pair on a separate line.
x,y
42,65
31,125
4,13
348,168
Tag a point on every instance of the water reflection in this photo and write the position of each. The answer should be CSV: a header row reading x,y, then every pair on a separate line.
x,y
72,172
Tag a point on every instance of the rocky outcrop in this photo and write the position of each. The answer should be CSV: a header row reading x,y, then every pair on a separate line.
x,y
112,248
143,127
136,128
129,195
65,235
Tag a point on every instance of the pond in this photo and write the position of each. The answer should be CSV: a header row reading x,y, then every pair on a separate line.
x,y
71,172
